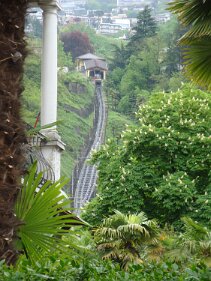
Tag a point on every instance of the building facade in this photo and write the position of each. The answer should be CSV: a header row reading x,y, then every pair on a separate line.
x,y
69,5
109,28
132,3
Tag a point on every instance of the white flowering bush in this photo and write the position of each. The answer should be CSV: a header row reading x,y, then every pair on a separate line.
x,y
162,166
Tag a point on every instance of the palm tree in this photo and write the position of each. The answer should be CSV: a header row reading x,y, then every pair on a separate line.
x,y
196,239
196,42
121,237
12,134
191,245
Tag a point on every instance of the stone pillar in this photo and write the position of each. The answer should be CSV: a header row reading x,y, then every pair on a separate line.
x,y
53,147
49,66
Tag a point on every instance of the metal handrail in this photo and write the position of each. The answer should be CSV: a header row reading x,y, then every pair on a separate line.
x,y
33,152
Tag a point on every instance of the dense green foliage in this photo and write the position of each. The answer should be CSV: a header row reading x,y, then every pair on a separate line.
x,y
162,166
150,61
74,270
86,265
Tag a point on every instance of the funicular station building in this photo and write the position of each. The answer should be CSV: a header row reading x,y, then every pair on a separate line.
x,y
93,67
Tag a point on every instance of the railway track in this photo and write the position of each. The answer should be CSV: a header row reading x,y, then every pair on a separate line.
x,y
86,184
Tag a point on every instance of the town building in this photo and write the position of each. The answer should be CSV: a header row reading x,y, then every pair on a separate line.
x,y
124,23
109,28
132,3
68,6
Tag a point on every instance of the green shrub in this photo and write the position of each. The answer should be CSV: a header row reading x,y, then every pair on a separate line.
x,y
73,268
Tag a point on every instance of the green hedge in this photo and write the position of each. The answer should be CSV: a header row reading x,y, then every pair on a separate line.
x,y
92,269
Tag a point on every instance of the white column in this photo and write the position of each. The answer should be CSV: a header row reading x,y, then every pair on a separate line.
x,y
49,66
54,146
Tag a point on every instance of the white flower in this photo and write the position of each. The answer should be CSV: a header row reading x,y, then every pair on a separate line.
x,y
122,178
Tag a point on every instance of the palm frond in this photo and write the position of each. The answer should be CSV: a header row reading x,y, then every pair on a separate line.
x,y
191,12
205,248
115,220
193,230
109,245
196,15
108,232
113,255
134,229
197,31
178,255
197,60
40,212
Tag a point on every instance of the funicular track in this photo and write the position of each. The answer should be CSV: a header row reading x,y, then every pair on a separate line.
x,y
85,188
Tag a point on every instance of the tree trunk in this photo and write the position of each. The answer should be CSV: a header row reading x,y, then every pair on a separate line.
x,y
12,135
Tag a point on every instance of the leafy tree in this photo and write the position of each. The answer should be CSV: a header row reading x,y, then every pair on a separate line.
x,y
64,59
12,133
77,43
119,57
146,27
163,165
150,67
121,237
143,68
172,60
142,73
195,15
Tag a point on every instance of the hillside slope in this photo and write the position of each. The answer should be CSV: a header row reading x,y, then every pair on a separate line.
x,y
75,107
